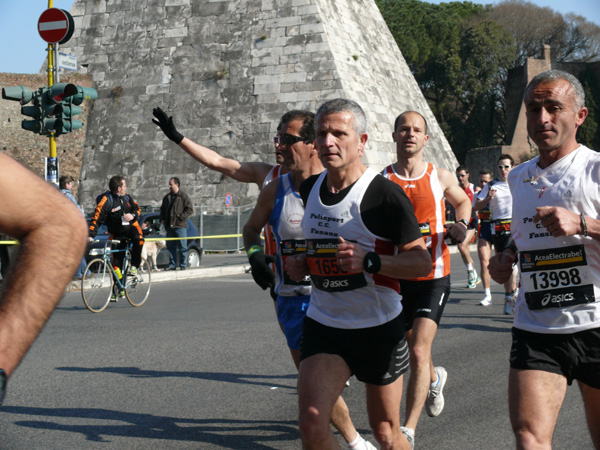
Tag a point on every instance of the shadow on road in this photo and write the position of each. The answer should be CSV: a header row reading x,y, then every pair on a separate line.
x,y
243,378
234,434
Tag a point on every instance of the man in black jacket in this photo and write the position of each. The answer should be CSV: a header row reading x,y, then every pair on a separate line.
x,y
120,212
175,209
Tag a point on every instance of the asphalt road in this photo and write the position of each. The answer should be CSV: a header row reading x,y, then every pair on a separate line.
x,y
203,365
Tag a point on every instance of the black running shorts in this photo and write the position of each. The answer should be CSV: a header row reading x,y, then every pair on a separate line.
x,y
376,355
575,356
424,299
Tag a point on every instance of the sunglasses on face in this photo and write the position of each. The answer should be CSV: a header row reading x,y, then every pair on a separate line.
x,y
288,139
461,176
504,167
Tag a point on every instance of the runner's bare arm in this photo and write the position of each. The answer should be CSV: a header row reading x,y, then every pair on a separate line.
x,y
260,215
412,261
455,195
52,234
245,172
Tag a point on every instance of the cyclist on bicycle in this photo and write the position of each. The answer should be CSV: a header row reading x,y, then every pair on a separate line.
x,y
119,211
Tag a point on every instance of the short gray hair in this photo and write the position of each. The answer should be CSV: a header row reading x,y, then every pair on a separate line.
x,y
554,75
345,105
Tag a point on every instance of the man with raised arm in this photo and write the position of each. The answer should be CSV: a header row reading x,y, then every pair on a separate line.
x,y
424,297
556,235
361,236
52,234
280,206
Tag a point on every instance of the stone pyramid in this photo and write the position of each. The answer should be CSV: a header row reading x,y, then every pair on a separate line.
x,y
227,71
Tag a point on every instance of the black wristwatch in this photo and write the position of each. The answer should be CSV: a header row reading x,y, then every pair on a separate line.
x,y
3,379
464,222
372,262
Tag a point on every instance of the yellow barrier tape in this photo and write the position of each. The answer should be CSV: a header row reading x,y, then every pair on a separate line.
x,y
159,238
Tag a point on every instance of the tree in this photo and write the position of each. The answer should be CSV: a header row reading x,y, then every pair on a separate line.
x,y
459,59
589,133
572,37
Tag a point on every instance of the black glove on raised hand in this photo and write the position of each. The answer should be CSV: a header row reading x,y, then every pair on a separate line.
x,y
261,272
456,231
166,124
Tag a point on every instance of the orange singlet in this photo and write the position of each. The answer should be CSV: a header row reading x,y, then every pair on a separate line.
x,y
427,198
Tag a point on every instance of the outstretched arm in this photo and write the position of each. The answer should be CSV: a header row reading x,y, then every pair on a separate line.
x,y
52,234
246,172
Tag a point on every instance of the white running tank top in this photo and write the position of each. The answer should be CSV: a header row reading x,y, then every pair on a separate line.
x,y
285,221
343,299
560,277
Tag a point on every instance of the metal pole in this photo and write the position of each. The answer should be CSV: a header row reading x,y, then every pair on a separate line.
x,y
50,83
238,227
201,226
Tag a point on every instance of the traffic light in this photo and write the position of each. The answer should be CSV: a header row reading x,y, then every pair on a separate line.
x,y
25,95
58,107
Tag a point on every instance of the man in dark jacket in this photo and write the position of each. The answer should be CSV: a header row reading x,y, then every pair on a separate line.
x,y
175,209
120,212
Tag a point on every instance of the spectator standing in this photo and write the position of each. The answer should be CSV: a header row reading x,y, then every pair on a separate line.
x,y
174,212
556,230
65,183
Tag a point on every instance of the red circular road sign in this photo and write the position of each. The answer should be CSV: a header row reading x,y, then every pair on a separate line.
x,y
56,25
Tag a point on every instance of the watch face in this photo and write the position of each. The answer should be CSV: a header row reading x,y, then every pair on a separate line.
x,y
2,385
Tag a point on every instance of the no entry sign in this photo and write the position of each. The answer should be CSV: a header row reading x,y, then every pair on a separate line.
x,y
56,25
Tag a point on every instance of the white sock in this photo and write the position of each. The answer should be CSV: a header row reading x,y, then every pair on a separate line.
x,y
487,292
470,266
358,443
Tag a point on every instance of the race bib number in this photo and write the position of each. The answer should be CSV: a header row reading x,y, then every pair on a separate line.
x,y
484,216
556,278
324,270
288,248
502,227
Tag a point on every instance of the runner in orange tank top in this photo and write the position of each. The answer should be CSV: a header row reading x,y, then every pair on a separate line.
x,y
424,299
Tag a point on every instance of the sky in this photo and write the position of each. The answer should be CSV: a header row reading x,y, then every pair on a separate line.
x,y
24,51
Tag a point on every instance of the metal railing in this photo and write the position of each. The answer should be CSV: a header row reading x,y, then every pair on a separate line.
x,y
219,228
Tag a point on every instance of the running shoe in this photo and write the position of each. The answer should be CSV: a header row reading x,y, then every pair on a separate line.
x,y
133,270
472,279
487,301
409,435
509,304
434,404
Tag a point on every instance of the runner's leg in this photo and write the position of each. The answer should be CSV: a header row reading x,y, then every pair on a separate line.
x,y
534,400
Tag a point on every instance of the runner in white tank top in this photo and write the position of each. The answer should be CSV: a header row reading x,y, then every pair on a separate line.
x,y
556,230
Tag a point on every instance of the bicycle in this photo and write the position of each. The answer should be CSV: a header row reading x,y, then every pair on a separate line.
x,y
100,280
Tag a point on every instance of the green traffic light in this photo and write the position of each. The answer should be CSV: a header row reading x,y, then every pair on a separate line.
x,y
78,94
17,93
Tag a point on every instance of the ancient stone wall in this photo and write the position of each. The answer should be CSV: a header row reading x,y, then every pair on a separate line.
x,y
227,71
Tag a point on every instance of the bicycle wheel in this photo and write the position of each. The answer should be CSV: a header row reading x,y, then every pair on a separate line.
x,y
96,285
137,287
